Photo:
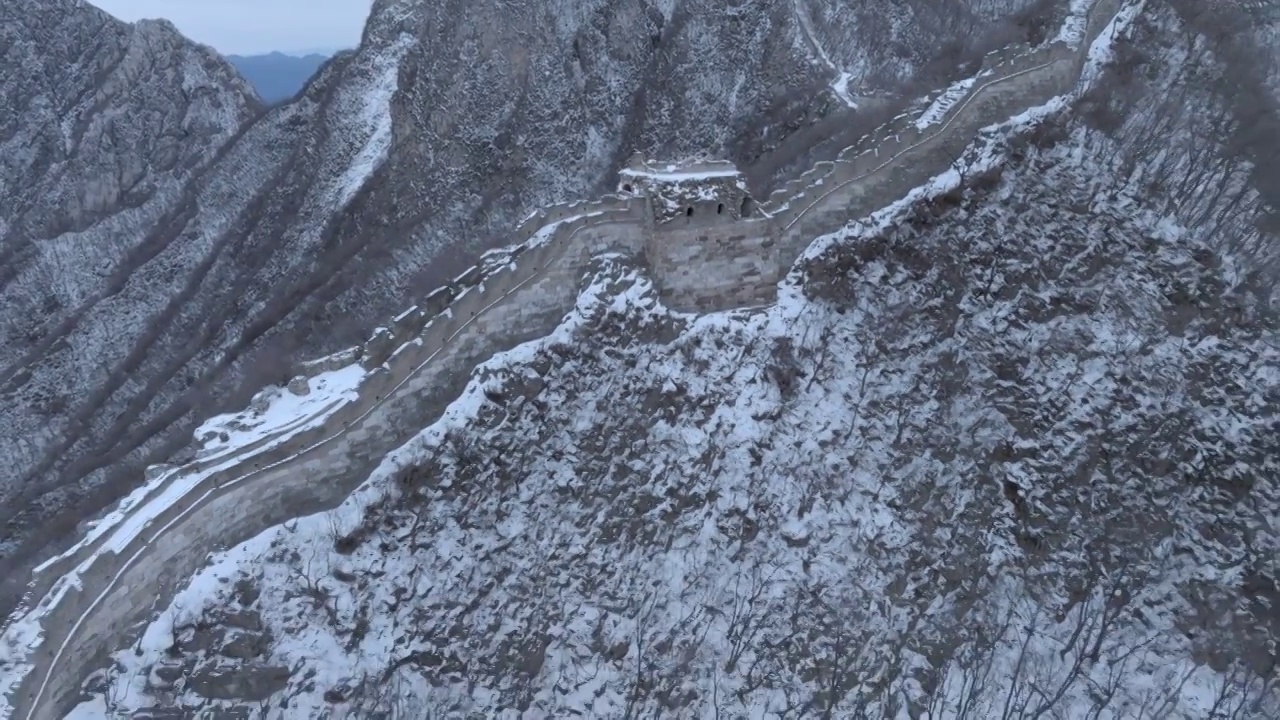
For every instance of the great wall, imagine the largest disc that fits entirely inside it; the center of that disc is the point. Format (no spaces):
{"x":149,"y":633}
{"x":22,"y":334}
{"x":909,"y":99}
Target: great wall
{"x":89,"y":601}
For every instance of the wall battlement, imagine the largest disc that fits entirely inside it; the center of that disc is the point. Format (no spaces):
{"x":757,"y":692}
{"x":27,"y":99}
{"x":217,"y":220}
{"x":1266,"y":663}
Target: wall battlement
{"x":86,"y":602}
{"x":691,"y":191}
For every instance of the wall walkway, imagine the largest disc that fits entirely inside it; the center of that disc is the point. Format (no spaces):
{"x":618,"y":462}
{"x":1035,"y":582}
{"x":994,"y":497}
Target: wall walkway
{"x":89,"y":601}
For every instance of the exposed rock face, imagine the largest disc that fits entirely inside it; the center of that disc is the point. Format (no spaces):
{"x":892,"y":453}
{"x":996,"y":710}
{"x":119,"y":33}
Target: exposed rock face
{"x":104,"y":127}
{"x":217,"y":660}
{"x":101,"y":124}
{"x":167,"y":256}
{"x":250,"y":681}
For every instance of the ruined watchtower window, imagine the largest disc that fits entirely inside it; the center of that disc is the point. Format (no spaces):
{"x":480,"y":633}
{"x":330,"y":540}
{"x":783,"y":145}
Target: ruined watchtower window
{"x":688,"y":188}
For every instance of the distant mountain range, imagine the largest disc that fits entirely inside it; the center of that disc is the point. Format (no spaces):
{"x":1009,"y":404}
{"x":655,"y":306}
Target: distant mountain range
{"x":277,"y":76}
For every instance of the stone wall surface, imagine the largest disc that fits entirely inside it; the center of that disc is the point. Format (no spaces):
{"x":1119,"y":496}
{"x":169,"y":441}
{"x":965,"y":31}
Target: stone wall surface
{"x":90,"y":601}
{"x":711,"y":266}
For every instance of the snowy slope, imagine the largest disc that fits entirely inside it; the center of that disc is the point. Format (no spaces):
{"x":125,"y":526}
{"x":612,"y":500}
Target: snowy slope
{"x":1011,"y":448}
{"x":1049,"y":404}
{"x":205,"y":247}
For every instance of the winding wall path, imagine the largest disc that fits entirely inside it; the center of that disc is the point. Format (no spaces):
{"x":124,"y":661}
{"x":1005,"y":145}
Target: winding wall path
{"x":89,"y":600}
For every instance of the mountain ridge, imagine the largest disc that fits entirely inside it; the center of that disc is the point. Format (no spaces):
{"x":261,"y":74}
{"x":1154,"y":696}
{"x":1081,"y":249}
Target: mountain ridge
{"x":651,"y":510}
{"x":278,"y":76}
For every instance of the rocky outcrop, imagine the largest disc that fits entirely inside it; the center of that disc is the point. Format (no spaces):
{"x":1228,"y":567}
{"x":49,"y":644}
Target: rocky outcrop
{"x":104,"y":128}
{"x":102,"y":123}
{"x":218,"y":657}
{"x":238,"y":681}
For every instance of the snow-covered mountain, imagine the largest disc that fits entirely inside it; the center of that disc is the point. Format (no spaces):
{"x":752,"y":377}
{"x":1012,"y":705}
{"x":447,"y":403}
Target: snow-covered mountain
{"x":104,"y":123}
{"x":1007,"y":448}
{"x":187,"y":250}
{"x":104,"y":128}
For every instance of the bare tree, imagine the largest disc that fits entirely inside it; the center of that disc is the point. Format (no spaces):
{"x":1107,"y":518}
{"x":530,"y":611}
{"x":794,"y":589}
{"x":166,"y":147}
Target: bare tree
{"x":642,"y":683}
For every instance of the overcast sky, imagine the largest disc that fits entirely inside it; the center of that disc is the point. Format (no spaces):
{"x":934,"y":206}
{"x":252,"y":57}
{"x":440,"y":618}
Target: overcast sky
{"x":255,"y":26}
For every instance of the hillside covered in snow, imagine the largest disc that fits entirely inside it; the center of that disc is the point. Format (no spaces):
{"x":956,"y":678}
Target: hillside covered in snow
{"x":169,"y":247}
{"x":1008,"y":448}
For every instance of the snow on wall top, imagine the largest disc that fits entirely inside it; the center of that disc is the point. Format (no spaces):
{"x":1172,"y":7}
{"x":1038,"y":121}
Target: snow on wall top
{"x":673,"y":188}
{"x":680,"y":171}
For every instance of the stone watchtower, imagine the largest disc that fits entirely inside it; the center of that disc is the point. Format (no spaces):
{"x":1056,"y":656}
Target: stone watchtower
{"x":706,"y":243}
{"x":689,"y":190}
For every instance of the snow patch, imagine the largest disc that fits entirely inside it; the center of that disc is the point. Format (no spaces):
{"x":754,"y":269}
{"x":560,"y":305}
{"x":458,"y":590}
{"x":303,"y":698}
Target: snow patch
{"x":1102,"y":51}
{"x":547,"y":233}
{"x":840,"y":86}
{"x":939,"y":108}
{"x":277,"y":410}
{"x":280,"y":416}
{"x":679,"y":172}
{"x":1075,"y":25}
{"x":375,"y":119}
